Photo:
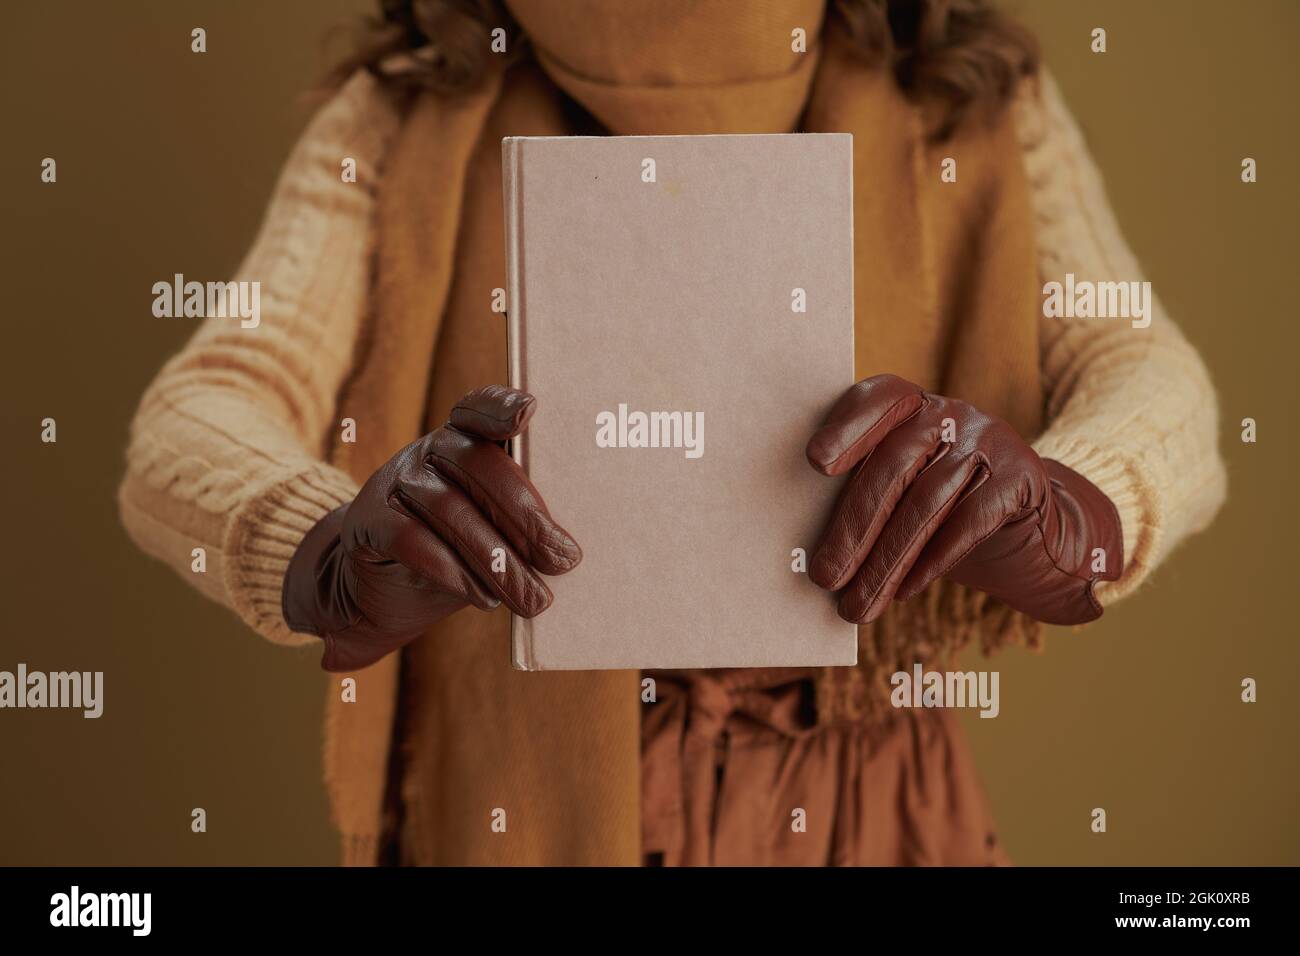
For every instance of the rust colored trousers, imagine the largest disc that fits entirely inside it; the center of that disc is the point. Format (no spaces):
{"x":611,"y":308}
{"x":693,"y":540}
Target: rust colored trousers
{"x":736,"y":772}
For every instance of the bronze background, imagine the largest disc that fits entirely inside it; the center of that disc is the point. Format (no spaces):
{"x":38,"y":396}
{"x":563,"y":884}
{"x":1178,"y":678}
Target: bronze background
{"x":165,"y":163}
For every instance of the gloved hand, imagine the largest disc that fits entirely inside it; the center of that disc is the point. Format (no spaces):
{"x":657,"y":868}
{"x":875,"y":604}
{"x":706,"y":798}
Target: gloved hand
{"x":416,"y":543}
{"x":970,"y":502}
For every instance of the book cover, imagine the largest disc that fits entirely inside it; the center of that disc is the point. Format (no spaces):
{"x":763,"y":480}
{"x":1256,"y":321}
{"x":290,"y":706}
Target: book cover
{"x":682,"y":308}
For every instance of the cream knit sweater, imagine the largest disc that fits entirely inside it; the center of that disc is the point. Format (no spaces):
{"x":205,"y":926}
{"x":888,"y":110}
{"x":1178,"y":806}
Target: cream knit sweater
{"x":226,"y":450}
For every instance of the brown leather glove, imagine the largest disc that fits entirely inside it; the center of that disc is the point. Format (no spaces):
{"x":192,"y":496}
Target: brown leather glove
{"x":971,"y":502}
{"x":416,"y":543}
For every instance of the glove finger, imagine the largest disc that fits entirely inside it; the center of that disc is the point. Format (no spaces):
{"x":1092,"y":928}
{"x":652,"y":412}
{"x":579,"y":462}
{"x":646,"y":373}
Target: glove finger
{"x":399,"y":602}
{"x":494,"y":412}
{"x":982,"y":511}
{"x":433,"y":563}
{"x":496,"y":483}
{"x":454,"y":518}
{"x":919,"y":514}
{"x":869,"y":498}
{"x":860,"y":420}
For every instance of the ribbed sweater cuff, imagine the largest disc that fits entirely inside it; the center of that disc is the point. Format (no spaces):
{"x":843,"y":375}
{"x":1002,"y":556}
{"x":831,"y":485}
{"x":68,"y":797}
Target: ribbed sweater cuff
{"x":1119,"y":481}
{"x":263,"y":535}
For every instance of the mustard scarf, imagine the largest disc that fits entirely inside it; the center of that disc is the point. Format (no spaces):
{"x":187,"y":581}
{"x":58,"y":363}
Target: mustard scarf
{"x":946,"y":289}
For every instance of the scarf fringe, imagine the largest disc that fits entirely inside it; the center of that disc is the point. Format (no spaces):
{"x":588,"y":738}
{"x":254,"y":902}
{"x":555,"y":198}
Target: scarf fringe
{"x":359,"y":849}
{"x":931,"y":630}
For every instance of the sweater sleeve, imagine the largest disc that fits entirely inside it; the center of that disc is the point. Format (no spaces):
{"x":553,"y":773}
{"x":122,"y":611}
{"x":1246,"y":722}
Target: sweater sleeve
{"x":226,"y":448}
{"x":1132,"y":409}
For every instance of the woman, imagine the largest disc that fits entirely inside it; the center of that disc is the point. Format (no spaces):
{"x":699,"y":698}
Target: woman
{"x":1007,"y":468}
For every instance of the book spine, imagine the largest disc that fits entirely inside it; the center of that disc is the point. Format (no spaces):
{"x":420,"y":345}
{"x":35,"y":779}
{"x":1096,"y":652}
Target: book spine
{"x":521,"y":632}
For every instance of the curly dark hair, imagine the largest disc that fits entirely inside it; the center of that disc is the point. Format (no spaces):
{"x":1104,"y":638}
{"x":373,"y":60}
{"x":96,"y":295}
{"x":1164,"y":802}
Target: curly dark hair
{"x":962,"y":55}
